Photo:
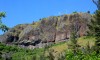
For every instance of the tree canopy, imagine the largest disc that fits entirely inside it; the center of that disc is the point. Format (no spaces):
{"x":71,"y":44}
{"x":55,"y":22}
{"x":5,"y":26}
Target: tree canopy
{"x":3,"y":27}
{"x":95,"y":25}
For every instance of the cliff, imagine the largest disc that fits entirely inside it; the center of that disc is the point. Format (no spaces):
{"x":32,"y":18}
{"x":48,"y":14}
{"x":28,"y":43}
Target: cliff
{"x":53,"y":29}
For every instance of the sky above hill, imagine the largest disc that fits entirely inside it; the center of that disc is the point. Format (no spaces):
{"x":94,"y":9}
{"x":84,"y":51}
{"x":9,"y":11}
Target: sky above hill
{"x":27,"y":11}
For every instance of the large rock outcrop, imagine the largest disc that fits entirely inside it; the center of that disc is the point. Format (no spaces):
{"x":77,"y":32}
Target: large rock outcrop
{"x":46,"y":30}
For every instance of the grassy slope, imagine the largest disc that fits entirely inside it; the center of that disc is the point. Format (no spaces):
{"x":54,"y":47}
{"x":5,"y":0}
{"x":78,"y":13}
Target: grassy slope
{"x":82,"y":41}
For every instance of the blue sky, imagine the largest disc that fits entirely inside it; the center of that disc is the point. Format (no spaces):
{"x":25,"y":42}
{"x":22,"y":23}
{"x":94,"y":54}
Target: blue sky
{"x":26,"y":11}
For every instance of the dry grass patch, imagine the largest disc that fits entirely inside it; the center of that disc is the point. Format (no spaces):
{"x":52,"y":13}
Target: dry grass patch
{"x":83,"y":41}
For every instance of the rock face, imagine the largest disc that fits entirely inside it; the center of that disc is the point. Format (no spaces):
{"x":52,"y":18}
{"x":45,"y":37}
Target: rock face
{"x":47,"y":30}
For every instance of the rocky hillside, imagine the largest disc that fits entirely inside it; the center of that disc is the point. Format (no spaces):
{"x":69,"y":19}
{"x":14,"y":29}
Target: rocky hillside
{"x":53,"y":29}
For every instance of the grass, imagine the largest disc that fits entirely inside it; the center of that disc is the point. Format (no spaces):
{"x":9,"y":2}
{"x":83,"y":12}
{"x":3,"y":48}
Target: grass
{"x":83,"y":41}
{"x":36,"y":24}
{"x":60,"y":47}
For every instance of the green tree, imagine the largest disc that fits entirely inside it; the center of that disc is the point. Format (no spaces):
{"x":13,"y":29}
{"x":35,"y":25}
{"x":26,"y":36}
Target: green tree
{"x":73,"y":38}
{"x":96,"y":29}
{"x":2,"y":26}
{"x":95,"y":25}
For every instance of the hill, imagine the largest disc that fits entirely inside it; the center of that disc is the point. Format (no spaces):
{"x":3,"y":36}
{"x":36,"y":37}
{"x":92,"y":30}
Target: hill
{"x":47,"y":31}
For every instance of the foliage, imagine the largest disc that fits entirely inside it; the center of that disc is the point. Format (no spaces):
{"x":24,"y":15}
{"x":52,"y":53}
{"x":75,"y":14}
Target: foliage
{"x":74,"y":46}
{"x":95,"y":25}
{"x":75,"y":12}
{"x":82,"y":56}
{"x":40,"y":53}
{"x":2,"y":26}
